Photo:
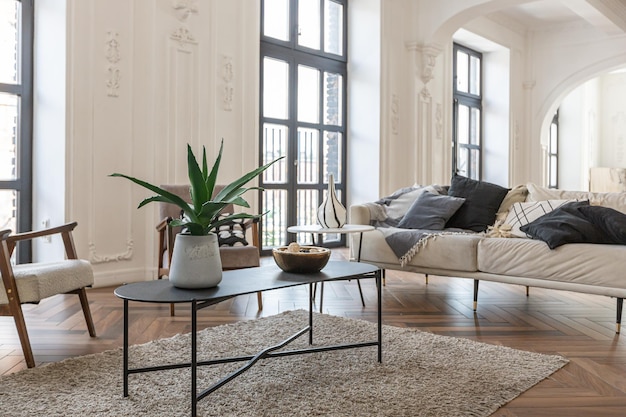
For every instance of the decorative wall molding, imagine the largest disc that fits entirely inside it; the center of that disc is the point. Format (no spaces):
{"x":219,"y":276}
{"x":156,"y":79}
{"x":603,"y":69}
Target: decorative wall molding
{"x":395,"y":117}
{"x":184,"y":8}
{"x":227,"y":78}
{"x":183,"y":37}
{"x":439,"y":120}
{"x":94,"y":258}
{"x":113,"y":57}
{"x":425,"y":59}
{"x":423,"y":169}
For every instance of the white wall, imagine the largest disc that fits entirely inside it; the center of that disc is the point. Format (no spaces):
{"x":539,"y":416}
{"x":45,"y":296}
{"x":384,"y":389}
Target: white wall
{"x":143,"y":80}
{"x":364,"y":68}
{"x":49,"y":129}
{"x":592,"y":123}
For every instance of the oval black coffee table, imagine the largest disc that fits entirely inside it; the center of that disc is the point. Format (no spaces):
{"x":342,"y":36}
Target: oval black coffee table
{"x":239,"y":282}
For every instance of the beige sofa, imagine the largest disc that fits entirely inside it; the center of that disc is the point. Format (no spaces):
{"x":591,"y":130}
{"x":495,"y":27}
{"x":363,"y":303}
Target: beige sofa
{"x":586,"y":268}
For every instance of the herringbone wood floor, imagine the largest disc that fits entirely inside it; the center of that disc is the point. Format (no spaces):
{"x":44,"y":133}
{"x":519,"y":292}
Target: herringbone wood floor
{"x":578,"y":326}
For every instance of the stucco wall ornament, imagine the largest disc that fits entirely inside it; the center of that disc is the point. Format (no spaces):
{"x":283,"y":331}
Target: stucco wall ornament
{"x":184,"y":8}
{"x":94,"y":258}
{"x":228,"y":75}
{"x":113,"y":57}
{"x":425,"y":59}
{"x":395,"y":117}
{"x":439,"y":120}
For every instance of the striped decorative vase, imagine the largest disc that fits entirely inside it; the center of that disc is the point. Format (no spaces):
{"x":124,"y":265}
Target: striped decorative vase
{"x":331,"y":213}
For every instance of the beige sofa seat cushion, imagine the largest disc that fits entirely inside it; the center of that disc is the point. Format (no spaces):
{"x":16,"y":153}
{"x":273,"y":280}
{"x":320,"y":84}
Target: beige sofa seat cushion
{"x":601,"y":265}
{"x":40,"y":280}
{"x":454,"y":252}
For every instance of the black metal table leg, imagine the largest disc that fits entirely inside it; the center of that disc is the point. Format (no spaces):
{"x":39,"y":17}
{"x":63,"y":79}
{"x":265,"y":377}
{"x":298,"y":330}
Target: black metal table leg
{"x":380,"y":315}
{"x":194,"y":358}
{"x":312,"y":296}
{"x":125,"y":348}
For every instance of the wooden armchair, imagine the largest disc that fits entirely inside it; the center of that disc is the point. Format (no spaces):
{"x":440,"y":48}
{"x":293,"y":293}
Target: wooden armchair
{"x":31,"y":283}
{"x":232,"y":257}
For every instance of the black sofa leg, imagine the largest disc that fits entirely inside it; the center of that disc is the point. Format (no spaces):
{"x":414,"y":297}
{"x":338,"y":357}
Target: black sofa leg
{"x":618,"y":322}
{"x":476,"y":294}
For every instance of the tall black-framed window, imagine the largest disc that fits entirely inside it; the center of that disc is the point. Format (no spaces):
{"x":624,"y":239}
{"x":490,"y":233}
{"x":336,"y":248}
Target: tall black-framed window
{"x":553,"y":153}
{"x":16,"y":117}
{"x":303,"y":113}
{"x":467,"y":111}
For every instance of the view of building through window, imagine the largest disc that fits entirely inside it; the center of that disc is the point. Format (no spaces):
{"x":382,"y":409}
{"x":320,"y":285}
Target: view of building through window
{"x":9,"y":107}
{"x":303,"y":79}
{"x":466,"y":153}
{"x":553,"y":149}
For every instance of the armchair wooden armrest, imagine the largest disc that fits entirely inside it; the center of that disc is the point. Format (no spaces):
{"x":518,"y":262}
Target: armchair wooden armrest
{"x":64,"y":230}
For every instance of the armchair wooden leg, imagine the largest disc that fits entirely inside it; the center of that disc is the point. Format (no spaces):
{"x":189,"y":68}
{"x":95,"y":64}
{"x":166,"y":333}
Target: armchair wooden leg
{"x":84,"y":303}
{"x":20,"y":324}
{"x":259,"y":299}
{"x":172,"y":310}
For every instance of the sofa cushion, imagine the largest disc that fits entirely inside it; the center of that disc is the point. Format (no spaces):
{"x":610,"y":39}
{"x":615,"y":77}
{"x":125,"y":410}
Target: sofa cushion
{"x":565,"y":225}
{"x":583,"y":263}
{"x":611,"y":222}
{"x":616,"y":201}
{"x":521,"y":214}
{"x":456,"y":252}
{"x":517,"y":194}
{"x":430,"y":211}
{"x":482,"y":201}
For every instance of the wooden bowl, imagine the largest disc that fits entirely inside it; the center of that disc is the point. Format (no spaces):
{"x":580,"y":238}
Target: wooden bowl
{"x":301,"y":259}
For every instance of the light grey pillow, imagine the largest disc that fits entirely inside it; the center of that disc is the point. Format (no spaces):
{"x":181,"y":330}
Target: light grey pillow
{"x":431,"y":211}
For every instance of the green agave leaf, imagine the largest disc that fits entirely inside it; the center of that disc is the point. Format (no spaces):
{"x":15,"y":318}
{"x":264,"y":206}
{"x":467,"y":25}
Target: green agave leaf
{"x":196,"y":180}
{"x":166,"y":195}
{"x":235,"y":216}
{"x":234,"y":186}
{"x":194,"y":229}
{"x":212,"y":177}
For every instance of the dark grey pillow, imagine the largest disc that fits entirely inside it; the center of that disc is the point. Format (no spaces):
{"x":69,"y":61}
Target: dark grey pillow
{"x":482,"y":201}
{"x":430,"y":211}
{"x":564,"y":225}
{"x":611,"y":222}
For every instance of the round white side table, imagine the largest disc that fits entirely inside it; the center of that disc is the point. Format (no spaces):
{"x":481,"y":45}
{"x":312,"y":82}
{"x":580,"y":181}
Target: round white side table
{"x":316,"y":229}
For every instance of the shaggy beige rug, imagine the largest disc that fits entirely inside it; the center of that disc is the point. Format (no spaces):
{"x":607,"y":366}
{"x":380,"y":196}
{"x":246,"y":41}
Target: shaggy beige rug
{"x":421,"y":375}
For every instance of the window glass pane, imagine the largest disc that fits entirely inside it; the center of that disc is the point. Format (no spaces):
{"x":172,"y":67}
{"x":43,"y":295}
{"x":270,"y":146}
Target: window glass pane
{"x":474,"y":75}
{"x":8,"y":136}
{"x":275,"y":221}
{"x":333,"y":98}
{"x":276,"y":19}
{"x":474,"y":164}
{"x":475,"y":126}
{"x":275,"y":146}
{"x":462,"y":71}
{"x":308,"y":156}
{"x":553,"y":172}
{"x":10,"y":12}
{"x":553,"y":138}
{"x":332,"y":156}
{"x":8,"y":209}
{"x":308,"y":94}
{"x":333,"y":27}
{"x":275,"y":88}
{"x":309,"y":23}
{"x":461,"y":161}
{"x":463,"y":124}
{"x":307,"y":204}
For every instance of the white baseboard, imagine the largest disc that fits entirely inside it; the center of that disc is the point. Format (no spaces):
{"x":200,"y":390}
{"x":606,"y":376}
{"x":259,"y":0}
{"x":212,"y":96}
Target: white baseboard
{"x":119,"y":277}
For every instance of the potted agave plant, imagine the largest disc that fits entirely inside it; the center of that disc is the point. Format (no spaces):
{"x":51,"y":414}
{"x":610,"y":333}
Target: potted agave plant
{"x":195,"y":260}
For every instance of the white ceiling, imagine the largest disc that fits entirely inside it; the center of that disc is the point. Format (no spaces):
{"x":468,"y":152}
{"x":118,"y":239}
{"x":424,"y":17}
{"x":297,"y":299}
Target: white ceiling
{"x":606,"y":15}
